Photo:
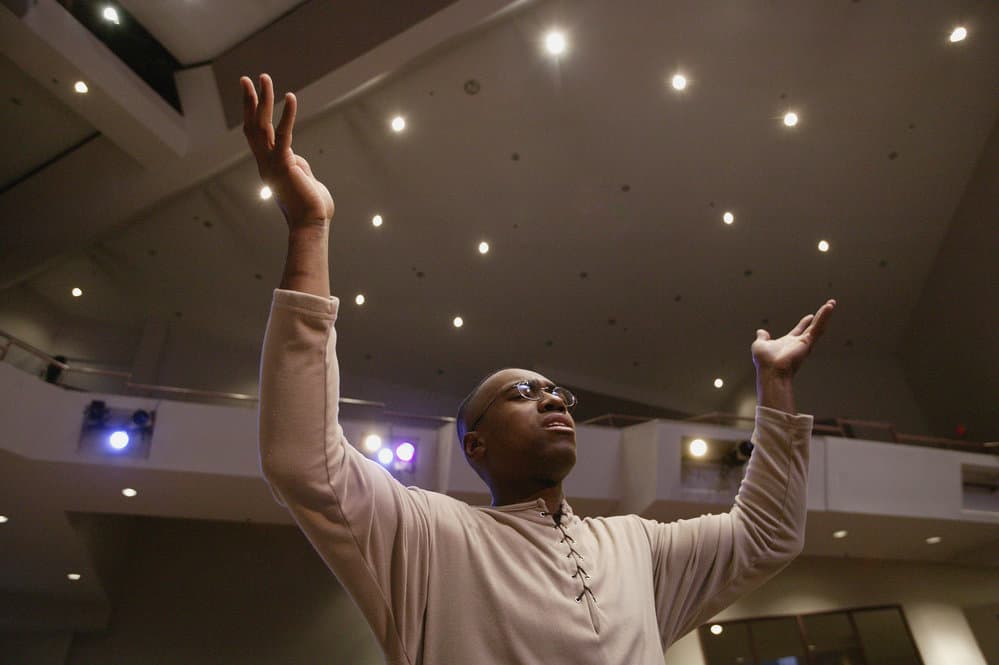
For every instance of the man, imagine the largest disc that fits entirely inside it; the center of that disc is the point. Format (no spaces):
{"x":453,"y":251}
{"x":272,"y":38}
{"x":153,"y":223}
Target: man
{"x":524,"y":580}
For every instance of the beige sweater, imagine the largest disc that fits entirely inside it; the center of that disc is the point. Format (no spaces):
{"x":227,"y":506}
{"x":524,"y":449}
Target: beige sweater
{"x":444,"y":583}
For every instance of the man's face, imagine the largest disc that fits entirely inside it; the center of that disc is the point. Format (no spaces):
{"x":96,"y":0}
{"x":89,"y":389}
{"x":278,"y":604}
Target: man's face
{"x":518,"y":438}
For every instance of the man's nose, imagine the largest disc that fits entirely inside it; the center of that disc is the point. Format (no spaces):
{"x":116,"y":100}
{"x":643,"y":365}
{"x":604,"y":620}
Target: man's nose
{"x":550,"y":402}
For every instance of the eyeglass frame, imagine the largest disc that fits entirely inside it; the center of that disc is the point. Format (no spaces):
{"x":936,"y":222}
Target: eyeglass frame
{"x":551,"y":390}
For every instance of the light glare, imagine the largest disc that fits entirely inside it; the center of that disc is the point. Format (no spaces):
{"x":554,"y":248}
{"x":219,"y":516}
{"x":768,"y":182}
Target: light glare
{"x":81,"y":87}
{"x":110,"y":14}
{"x":958,"y":34}
{"x":716,"y":629}
{"x":385,"y":456}
{"x":791,"y":119}
{"x":73,"y":576}
{"x":823,"y":246}
{"x":839,"y":534}
{"x":119,"y":440}
{"x":458,"y":322}
{"x":359,"y":299}
{"x":555,"y":42}
{"x":266,"y":193}
{"x":719,"y":383}
{"x":3,"y":518}
{"x":372,"y":442}
{"x":129,"y":492}
{"x":405,"y":451}
{"x":679,"y":82}
{"x":376,"y":220}
{"x":77,"y":292}
{"x":398,"y":124}
{"x":698,"y":448}
{"x":933,"y":540}
{"x":728,"y":218}
{"x":483,"y":247}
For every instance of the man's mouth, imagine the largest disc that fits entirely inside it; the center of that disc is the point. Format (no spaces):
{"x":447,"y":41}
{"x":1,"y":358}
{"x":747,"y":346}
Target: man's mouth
{"x":558,"y":422}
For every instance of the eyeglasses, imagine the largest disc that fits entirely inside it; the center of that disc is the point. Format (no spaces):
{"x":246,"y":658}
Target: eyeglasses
{"x":533,"y":391}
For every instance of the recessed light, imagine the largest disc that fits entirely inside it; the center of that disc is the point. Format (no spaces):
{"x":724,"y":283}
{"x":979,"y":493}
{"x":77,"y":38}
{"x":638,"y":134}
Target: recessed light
{"x":129,"y":492}
{"x":3,"y":518}
{"x":728,"y":218}
{"x":81,"y":87}
{"x":933,"y":540}
{"x":458,"y":322}
{"x":555,"y":42}
{"x":790,"y":118}
{"x":958,"y":34}
{"x":110,"y":14}
{"x":716,"y":629}
{"x":679,"y":81}
{"x":839,"y":534}
{"x":266,"y":193}
{"x":376,"y":220}
{"x":372,"y":443}
{"x":398,"y":124}
{"x":719,"y":383}
{"x":698,"y":447}
{"x":483,"y":247}
{"x":77,"y":292}
{"x":823,"y":246}
{"x":359,"y":299}
{"x":73,"y":576}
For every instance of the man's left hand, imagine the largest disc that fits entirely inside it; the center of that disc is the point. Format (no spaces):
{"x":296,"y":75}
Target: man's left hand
{"x":783,"y":356}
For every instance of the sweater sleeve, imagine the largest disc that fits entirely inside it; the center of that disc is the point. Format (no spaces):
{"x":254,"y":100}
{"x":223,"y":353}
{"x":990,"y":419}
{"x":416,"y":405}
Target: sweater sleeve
{"x":370,"y":530}
{"x":703,"y":565}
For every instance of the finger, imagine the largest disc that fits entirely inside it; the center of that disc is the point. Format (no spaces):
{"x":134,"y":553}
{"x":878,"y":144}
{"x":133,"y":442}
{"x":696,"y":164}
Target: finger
{"x":249,"y":101}
{"x":265,"y":110}
{"x":800,"y":328}
{"x":762,"y":335}
{"x":821,"y":319}
{"x":282,"y":137}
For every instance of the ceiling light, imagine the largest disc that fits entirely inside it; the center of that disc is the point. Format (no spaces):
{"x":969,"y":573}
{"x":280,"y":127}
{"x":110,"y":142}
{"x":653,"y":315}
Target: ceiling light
{"x":372,"y":443}
{"x":458,"y":322}
{"x":119,"y":440}
{"x":483,"y":247}
{"x":359,"y":299}
{"x":698,"y":448}
{"x":80,"y":87}
{"x":76,"y":292}
{"x":839,"y":534}
{"x":958,"y":34}
{"x":555,"y":42}
{"x":3,"y":518}
{"x":790,"y":118}
{"x":933,"y":540}
{"x":728,"y":218}
{"x":73,"y":576}
{"x":716,"y":629}
{"x":719,"y":383}
{"x":110,"y":14}
{"x":266,"y":193}
{"x":385,"y":456}
{"x":823,"y":246}
{"x":129,"y":492}
{"x":679,"y":81}
{"x":398,"y":124}
{"x":376,"y":220}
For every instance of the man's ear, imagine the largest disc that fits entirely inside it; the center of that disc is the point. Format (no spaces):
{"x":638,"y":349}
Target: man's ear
{"x":474,"y":445}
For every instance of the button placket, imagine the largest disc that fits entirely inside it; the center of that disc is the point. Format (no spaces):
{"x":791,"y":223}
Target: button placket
{"x":577,"y":558}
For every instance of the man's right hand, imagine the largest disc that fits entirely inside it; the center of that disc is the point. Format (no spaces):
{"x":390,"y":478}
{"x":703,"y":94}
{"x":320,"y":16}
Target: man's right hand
{"x":304,"y":200}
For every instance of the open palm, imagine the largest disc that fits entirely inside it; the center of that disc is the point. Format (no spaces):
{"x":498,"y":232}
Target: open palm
{"x":785,"y":354}
{"x":304,"y":200}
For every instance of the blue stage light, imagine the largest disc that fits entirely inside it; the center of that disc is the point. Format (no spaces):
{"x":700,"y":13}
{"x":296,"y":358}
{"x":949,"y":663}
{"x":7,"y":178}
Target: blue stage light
{"x":119,"y":440}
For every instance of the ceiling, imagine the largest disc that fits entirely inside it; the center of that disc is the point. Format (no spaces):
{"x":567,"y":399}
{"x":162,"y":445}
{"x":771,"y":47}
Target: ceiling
{"x":598,"y":187}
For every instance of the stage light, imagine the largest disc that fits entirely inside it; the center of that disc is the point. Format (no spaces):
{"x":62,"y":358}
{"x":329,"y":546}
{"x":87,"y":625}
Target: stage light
{"x":81,"y":87}
{"x":716,"y":629}
{"x":791,"y":119}
{"x":372,"y":443}
{"x":266,"y":193}
{"x":839,"y":534}
{"x":385,"y":456}
{"x":3,"y":519}
{"x":719,"y":383}
{"x":728,"y":218}
{"x":359,"y":299}
{"x":698,"y":448}
{"x":823,"y":246}
{"x":458,"y":322}
{"x":958,"y":34}
{"x":119,"y":440}
{"x":129,"y":492}
{"x":110,"y":14}
{"x":933,"y":540}
{"x":77,"y":292}
{"x":679,"y":82}
{"x":398,"y":124}
{"x":73,"y":576}
{"x":405,"y":451}
{"x":483,"y":247}
{"x":376,"y":220}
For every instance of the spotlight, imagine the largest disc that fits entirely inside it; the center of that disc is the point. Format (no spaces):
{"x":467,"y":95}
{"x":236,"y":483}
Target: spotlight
{"x":791,"y":119}
{"x":73,"y":576}
{"x":266,"y":193}
{"x":359,"y":299}
{"x":376,"y":220}
{"x":80,"y":87}
{"x":110,"y":14}
{"x":129,"y":492}
{"x":839,"y":534}
{"x":458,"y":322}
{"x":719,"y":383}
{"x":958,"y":35}
{"x":555,"y":42}
{"x":77,"y":292}
{"x":385,"y":456}
{"x":716,"y":629}
{"x":698,"y":448}
{"x":372,"y":443}
{"x":483,"y":247}
{"x":398,"y":124}
{"x":679,"y":82}
{"x":119,"y":440}
{"x":405,"y":451}
{"x":823,"y":246}
{"x":728,"y":218}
